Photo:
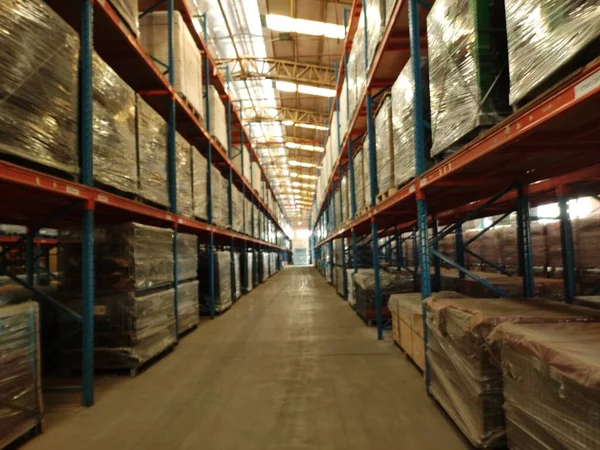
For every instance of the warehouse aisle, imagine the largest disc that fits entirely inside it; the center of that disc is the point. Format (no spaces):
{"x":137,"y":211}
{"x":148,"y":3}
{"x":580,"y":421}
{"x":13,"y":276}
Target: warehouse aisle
{"x":289,"y":367}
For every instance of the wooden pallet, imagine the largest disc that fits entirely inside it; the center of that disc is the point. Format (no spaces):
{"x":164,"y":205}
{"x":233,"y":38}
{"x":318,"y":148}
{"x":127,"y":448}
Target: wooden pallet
{"x":387,"y":194}
{"x":194,"y":110}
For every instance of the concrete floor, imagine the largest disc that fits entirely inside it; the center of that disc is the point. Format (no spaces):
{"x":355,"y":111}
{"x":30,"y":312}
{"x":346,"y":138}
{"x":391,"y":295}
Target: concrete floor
{"x":288,"y":367}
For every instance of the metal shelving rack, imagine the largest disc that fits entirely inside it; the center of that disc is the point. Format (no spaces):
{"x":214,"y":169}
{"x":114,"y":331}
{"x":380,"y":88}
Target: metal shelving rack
{"x":38,"y":200}
{"x":542,"y":153}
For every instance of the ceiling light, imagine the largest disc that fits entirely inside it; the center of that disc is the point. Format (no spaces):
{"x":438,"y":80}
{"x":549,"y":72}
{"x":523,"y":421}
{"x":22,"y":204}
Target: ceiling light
{"x":293,"y":174}
{"x":288,"y":24}
{"x":302,"y":164}
{"x":313,"y":90}
{"x":310,"y":126}
{"x":281,"y":150}
{"x":308,"y":177}
{"x":300,"y":223}
{"x":310,"y":148}
{"x":287,"y":122}
{"x":286,"y":86}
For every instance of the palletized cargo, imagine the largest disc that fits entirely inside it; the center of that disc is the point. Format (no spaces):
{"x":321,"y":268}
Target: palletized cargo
{"x":199,"y":184}
{"x":222,"y":282}
{"x":185,"y":204}
{"x":38,"y":112}
{"x":188,"y":305}
{"x":187,"y":256}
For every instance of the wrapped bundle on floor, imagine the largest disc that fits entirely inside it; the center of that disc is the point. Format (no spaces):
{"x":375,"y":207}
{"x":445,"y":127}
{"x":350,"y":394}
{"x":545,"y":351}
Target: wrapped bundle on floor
{"x":187,"y":256}
{"x":38,"y":112}
{"x":186,"y":55}
{"x":21,"y":408}
{"x":407,"y":325}
{"x":390,"y":283}
{"x":114,"y":130}
{"x":247,"y":267}
{"x":551,"y":385}
{"x":199,"y":184}
{"x":185,"y":205}
{"x":152,"y":154}
{"x":188,"y":306}
{"x":222,"y":281}
{"x":130,"y":329}
{"x":128,"y":10}
{"x":384,"y":143}
{"x":464,"y":378}
{"x":126,"y":256}
{"x":548,"y":39}
{"x":265,"y":267}
{"x":467,"y":69}
{"x":403,"y":122}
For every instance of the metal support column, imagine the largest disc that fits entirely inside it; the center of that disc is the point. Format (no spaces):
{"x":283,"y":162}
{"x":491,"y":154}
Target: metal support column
{"x":437,"y":275}
{"x":460,"y":248}
{"x":29,"y":257}
{"x":419,"y":139}
{"x":524,"y":243}
{"x":230,"y":191}
{"x":209,"y":212}
{"x":566,"y":239}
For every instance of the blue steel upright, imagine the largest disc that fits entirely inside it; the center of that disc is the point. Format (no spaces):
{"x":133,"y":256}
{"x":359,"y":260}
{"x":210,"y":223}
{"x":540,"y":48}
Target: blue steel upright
{"x":211,"y":242}
{"x":172,"y":160}
{"x":87,"y":178}
{"x":460,"y":248}
{"x":524,"y":243}
{"x":230,"y":191}
{"x":419,"y":141}
{"x":566,"y":238}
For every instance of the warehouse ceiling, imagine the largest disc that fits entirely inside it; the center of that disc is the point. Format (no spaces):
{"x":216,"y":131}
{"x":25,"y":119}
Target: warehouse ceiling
{"x":283,"y":75}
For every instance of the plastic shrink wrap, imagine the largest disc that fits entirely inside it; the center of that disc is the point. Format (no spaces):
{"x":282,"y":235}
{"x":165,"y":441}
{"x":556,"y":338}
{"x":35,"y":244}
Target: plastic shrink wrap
{"x":129,"y":329}
{"x":152,"y":154}
{"x":238,"y":275}
{"x":128,"y":10}
{"x":368,"y":177}
{"x":114,"y":129}
{"x":20,"y":383}
{"x":126,"y":256}
{"x":403,"y":128}
{"x":187,"y":256}
{"x":338,"y":252}
{"x":222,"y":281}
{"x":346,"y":212}
{"x":199,"y":184}
{"x":551,"y":385}
{"x":465,"y":379}
{"x":225,"y":201}
{"x":217,"y":191}
{"x":384,"y":145}
{"x":38,"y":113}
{"x":547,"y":39}
{"x":343,"y":110}
{"x":186,"y":55}
{"x":390,"y":283}
{"x":188,"y":313}
{"x":218,"y":117}
{"x":389,"y":6}
{"x":238,"y":211}
{"x":185,"y":204}
{"x":247,"y":267}
{"x":375,"y":10}
{"x":339,"y":280}
{"x":359,"y":184}
{"x":407,"y":325}
{"x":467,"y":69}
{"x":265,"y":267}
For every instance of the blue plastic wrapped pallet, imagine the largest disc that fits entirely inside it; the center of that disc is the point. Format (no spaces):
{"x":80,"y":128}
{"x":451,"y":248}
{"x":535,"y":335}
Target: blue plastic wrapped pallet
{"x":21,"y":408}
{"x":114,"y":130}
{"x":403,"y":122}
{"x":548,"y":39}
{"x":38,"y":112}
{"x":468,"y":69}
{"x":152,"y":154}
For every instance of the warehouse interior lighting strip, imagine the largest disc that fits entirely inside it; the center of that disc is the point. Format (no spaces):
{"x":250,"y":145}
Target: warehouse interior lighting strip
{"x":286,"y":24}
{"x":286,"y":86}
{"x":308,"y":147}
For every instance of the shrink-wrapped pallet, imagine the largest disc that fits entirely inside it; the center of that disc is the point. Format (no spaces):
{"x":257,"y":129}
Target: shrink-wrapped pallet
{"x":467,"y":69}
{"x":225,"y":219}
{"x":126,"y":256}
{"x":403,"y":128}
{"x":375,"y":10}
{"x":238,"y":209}
{"x":128,"y":10}
{"x":217,"y":192}
{"x":113,"y":130}
{"x":188,"y":306}
{"x":185,"y":204}
{"x":368,"y":177}
{"x":256,"y":176}
{"x":152,"y":154}
{"x":547,"y":39}
{"x":338,"y":251}
{"x":343,"y":110}
{"x":186,"y":55}
{"x":347,"y":210}
{"x":130,"y":329}
{"x":222,"y":281}
{"x":247,"y":267}
{"x":39,"y":88}
{"x":389,"y":6}
{"x":384,"y":145}
{"x":390,"y":283}
{"x":187,"y":256}
{"x":218,"y":117}
{"x":551,"y":384}
{"x":465,"y":379}
{"x":21,"y":407}
{"x":238,"y":274}
{"x":338,"y":277}
{"x":199,"y":184}
{"x":407,"y":325}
